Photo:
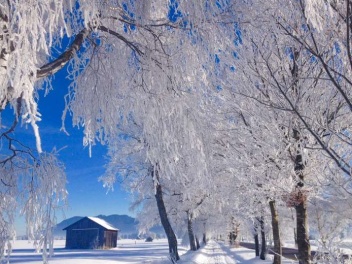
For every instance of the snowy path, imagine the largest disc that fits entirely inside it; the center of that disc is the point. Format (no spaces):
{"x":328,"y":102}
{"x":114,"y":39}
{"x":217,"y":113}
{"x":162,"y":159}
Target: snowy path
{"x":212,"y":253}
{"x":218,"y":253}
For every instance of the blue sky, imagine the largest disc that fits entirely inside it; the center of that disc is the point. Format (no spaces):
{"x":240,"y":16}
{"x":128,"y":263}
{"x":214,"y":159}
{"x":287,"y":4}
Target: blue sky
{"x":87,"y":196}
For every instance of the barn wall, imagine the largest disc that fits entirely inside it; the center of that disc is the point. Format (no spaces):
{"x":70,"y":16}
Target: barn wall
{"x":82,"y":238}
{"x":86,"y":234}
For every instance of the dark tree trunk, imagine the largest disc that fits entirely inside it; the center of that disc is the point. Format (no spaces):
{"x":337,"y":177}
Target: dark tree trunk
{"x":197,"y":242}
{"x":256,"y":243}
{"x":171,"y":237}
{"x":256,"y":238}
{"x":192,"y":242}
{"x":262,"y":232}
{"x":232,"y":238}
{"x":204,"y":238}
{"x":276,"y":233}
{"x":303,"y":244}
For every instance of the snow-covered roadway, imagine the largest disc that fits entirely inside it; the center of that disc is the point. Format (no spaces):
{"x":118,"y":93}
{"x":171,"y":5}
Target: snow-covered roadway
{"x":212,"y":253}
{"x":218,"y":253}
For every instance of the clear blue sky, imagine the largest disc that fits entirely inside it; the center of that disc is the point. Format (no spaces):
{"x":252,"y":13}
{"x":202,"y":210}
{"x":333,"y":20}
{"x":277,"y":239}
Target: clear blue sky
{"x":87,"y":197}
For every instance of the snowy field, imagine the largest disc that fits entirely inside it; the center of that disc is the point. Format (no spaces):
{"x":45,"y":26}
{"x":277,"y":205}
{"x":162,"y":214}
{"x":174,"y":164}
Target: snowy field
{"x":137,"y":251}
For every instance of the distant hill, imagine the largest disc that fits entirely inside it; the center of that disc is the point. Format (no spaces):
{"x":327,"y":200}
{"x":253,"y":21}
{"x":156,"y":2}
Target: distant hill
{"x":67,"y":222}
{"x":126,"y":224}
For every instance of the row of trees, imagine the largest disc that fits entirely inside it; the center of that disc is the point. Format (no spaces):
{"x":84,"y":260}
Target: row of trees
{"x":217,"y":115}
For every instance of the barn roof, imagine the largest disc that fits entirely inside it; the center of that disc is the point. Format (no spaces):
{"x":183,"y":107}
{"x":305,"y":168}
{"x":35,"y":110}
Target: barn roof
{"x":97,"y":220}
{"x":103,"y":223}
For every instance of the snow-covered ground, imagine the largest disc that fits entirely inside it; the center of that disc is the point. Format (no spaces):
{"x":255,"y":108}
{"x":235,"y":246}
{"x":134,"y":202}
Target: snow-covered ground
{"x":137,"y":251}
{"x":127,"y":251}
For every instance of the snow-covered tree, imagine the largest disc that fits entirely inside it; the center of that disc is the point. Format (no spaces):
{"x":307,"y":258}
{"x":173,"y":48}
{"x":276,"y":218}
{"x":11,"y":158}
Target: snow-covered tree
{"x":116,"y":48}
{"x":204,"y":100}
{"x":285,"y":77}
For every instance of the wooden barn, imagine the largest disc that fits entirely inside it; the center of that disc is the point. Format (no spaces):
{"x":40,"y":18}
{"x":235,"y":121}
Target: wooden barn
{"x":91,"y":233}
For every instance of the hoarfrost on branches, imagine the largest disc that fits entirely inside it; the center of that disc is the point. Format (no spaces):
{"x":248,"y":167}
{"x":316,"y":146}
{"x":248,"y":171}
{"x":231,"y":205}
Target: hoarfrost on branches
{"x":202,"y":98}
{"x":36,"y":186}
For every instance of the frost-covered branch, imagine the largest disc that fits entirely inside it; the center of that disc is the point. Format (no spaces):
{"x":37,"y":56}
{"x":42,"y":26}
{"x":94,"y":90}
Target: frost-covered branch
{"x":56,"y":65}
{"x":344,"y":166}
{"x":119,"y":36}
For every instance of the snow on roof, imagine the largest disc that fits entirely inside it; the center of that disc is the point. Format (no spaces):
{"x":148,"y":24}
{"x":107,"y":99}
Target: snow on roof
{"x":103,"y":223}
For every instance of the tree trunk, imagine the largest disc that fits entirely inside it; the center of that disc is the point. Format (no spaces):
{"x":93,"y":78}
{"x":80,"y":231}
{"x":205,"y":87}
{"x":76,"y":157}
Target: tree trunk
{"x":262,"y":232}
{"x":204,"y":235}
{"x":276,"y":233}
{"x":192,"y":242}
{"x":204,"y":238}
{"x":234,"y":232}
{"x":197,"y":242}
{"x":171,"y":237}
{"x":232,"y":238}
{"x":303,"y":244}
{"x":256,"y":238}
{"x":256,"y":243}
